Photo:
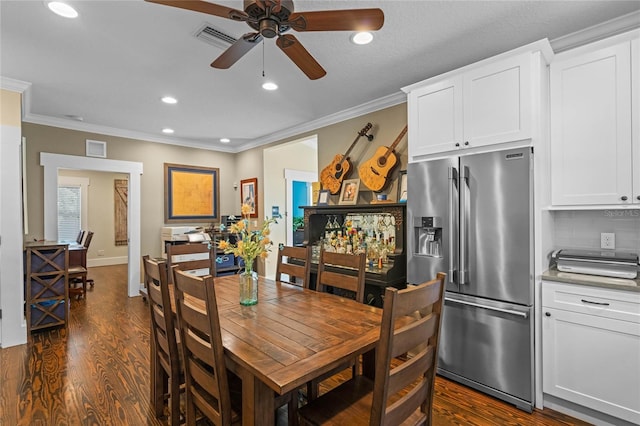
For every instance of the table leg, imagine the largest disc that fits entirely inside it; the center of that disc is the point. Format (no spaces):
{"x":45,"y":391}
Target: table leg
{"x":258,"y":401}
{"x":369,"y":364}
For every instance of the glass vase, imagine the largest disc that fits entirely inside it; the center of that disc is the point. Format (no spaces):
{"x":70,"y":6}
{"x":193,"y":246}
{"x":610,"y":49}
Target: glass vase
{"x":248,"y":288}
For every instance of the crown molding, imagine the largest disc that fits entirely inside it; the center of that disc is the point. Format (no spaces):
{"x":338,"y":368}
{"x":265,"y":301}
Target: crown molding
{"x":597,"y":32}
{"x":13,"y":85}
{"x":357,"y":111}
{"x":113,"y":131}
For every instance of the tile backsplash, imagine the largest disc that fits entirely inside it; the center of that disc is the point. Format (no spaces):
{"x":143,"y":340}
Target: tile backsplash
{"x":581,"y":228}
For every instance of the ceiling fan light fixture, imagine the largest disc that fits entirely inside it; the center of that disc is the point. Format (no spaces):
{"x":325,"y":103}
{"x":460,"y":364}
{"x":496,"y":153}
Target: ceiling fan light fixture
{"x":225,"y":140}
{"x":269,"y":85}
{"x":167,"y":130}
{"x":62,"y":9}
{"x":362,"y":37}
{"x":169,"y":100}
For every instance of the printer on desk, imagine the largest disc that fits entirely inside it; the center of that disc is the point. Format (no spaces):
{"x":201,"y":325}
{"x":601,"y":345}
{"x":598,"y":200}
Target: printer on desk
{"x":184,"y":234}
{"x":603,"y":263}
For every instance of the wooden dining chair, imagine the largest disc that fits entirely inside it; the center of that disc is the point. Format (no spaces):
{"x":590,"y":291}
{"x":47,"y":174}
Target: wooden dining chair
{"x":342,"y":272}
{"x":78,"y":268}
{"x":207,"y":385}
{"x":344,"y":275}
{"x":193,"y":258}
{"x":294,"y":265}
{"x":402,"y":392}
{"x":166,"y":361}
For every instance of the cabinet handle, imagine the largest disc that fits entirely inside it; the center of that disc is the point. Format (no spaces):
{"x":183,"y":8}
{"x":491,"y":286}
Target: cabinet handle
{"x":548,"y":314}
{"x":638,"y":197}
{"x":457,"y":144}
{"x":466,"y":143}
{"x":623,"y":198}
{"x":594,"y":303}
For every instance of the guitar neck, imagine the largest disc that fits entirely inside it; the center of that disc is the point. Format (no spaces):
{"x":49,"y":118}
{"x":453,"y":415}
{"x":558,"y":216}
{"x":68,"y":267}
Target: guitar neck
{"x":396,"y":142}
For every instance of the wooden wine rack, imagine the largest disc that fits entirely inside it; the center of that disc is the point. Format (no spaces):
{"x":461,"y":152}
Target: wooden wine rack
{"x":46,"y":285}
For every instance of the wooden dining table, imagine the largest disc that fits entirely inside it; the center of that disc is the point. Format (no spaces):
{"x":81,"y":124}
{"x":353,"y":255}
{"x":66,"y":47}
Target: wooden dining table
{"x":291,"y":336}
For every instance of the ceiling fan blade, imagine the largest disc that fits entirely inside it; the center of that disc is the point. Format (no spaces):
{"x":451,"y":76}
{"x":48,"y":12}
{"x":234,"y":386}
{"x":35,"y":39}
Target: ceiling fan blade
{"x":337,"y":20}
{"x":237,"y":50}
{"x":291,"y":47}
{"x":205,"y":7}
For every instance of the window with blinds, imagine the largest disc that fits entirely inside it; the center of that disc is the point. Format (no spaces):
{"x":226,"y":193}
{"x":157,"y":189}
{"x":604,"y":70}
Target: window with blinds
{"x":69,"y":212}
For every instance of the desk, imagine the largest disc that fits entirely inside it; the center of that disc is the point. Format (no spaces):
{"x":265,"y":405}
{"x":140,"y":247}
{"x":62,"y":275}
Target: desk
{"x":290,"y":337}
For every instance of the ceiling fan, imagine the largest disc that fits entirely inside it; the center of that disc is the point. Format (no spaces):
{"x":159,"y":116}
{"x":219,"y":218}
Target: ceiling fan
{"x":273,"y":18}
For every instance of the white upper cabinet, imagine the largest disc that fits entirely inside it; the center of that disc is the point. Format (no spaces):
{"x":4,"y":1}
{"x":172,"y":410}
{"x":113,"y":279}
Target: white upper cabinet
{"x":487,"y":103}
{"x":594,"y":152}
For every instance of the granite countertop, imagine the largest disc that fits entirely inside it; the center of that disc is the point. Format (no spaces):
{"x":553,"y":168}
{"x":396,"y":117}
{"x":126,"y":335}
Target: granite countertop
{"x":553,"y":274}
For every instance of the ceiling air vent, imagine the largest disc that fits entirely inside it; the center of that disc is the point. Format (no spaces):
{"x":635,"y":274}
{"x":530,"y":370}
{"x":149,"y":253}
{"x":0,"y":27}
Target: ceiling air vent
{"x":215,"y":37}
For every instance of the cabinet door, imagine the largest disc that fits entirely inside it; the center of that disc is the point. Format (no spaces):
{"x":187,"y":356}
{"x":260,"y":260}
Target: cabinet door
{"x":591,"y":128}
{"x":592,"y":361}
{"x":497,"y":102}
{"x":435,"y":118}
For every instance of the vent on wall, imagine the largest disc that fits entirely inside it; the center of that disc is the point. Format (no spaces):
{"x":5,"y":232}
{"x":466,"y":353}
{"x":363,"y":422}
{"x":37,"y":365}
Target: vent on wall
{"x":213,"y":36}
{"x":96,"y":149}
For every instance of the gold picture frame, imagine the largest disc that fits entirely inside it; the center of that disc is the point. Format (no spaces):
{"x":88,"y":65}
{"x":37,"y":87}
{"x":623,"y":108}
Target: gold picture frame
{"x":349,"y":191}
{"x":191,"y":194}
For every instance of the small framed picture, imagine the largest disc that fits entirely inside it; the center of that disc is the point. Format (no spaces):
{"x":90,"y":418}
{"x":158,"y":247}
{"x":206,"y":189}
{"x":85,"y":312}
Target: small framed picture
{"x":323,"y":197}
{"x":402,"y":187}
{"x":249,"y":195}
{"x":349,"y":193}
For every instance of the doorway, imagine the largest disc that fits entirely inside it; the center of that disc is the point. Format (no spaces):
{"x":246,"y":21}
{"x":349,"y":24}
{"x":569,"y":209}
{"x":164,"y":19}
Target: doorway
{"x":298,"y":194}
{"x":53,"y":162}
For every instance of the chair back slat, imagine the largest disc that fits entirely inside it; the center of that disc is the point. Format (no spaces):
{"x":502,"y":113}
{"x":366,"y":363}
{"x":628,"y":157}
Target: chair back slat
{"x":298,"y":271}
{"x":202,"y":257}
{"x":410,"y":324}
{"x":201,"y":339}
{"x":343,"y":271}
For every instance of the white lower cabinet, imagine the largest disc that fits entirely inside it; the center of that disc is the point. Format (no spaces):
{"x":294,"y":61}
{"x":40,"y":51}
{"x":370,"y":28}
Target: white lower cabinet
{"x":591,"y":347}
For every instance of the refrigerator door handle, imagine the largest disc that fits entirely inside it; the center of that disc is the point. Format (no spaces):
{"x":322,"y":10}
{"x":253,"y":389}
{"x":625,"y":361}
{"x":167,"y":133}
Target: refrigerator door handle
{"x":490,"y":308}
{"x":453,"y":180}
{"x":464,"y":222}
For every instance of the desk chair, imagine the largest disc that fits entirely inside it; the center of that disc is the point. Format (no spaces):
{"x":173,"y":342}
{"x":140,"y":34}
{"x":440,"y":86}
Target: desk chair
{"x":400,"y":394}
{"x":207,"y":386}
{"x":166,"y":359}
{"x":193,"y":258}
{"x":295,"y":272}
{"x":345,"y":273}
{"x":78,"y":268}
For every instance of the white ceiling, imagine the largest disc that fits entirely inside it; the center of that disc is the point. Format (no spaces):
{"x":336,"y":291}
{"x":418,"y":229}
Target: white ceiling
{"x":112,"y":64}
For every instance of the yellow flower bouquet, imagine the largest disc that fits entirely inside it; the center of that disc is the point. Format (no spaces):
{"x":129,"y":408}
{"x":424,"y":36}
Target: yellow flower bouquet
{"x":250,"y":244}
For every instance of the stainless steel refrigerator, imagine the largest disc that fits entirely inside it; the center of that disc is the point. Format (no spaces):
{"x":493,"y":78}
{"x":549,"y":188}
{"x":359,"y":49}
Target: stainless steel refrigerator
{"x":471,"y":216}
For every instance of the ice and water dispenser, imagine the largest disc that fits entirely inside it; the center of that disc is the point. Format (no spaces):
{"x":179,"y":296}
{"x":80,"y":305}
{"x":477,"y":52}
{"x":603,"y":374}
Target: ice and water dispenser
{"x":428,"y":236}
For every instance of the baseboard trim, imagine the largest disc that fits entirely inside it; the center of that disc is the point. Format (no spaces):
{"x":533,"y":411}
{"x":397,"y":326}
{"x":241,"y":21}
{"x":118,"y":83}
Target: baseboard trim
{"x":106,"y":261}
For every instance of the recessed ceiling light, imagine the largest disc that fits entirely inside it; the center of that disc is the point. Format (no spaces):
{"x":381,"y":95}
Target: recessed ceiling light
{"x":269,"y":86}
{"x":225,"y":140}
{"x":363,"y":37}
{"x":169,"y":100}
{"x":62,"y":9}
{"x":167,"y":130}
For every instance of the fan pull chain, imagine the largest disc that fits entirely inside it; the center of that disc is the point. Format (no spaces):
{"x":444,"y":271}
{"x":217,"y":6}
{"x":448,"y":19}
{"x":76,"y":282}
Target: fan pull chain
{"x":263,"y":58}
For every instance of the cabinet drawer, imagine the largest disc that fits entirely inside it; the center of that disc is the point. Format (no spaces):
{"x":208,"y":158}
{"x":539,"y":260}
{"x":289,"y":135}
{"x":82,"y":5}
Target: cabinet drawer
{"x":607,"y":303}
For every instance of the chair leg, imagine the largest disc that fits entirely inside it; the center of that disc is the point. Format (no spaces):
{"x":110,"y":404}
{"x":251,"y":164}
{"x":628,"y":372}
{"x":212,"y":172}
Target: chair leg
{"x":174,"y":401}
{"x":84,"y":286}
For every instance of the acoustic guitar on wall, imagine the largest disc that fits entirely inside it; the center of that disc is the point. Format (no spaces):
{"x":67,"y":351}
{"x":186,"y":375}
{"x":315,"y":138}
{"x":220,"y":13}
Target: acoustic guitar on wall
{"x":374,"y":172}
{"x":332,"y":176}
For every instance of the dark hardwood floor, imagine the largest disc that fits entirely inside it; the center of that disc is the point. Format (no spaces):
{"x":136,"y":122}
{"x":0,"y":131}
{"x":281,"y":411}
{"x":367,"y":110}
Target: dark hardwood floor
{"x":97,"y":371}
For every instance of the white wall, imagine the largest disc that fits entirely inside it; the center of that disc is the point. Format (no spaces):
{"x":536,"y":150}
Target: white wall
{"x":298,"y":155}
{"x":12,"y":326}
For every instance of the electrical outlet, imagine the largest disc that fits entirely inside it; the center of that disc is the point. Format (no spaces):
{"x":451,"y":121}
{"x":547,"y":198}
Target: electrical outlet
{"x":607,"y":240}
{"x":100,"y":252}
